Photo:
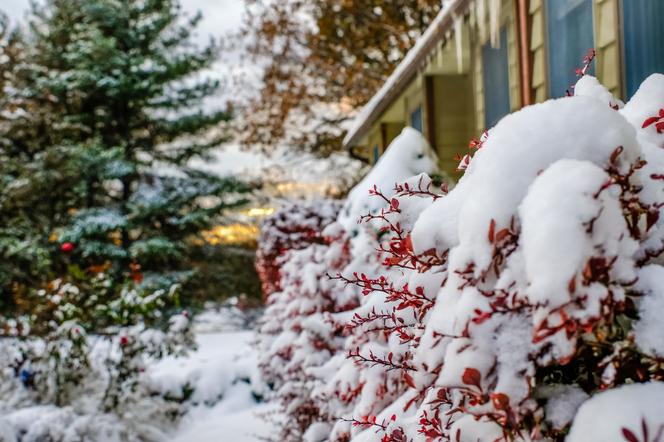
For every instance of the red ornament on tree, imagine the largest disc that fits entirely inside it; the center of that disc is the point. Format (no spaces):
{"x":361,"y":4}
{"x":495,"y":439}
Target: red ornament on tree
{"x":67,"y":247}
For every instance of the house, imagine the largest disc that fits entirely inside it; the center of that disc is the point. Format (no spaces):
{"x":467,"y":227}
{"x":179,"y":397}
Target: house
{"x":482,"y":59}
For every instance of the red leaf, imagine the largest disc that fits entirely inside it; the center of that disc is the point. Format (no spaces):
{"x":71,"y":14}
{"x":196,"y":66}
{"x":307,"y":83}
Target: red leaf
{"x":502,"y":234}
{"x":661,"y":113}
{"x":408,"y":243}
{"x":409,"y":380}
{"x":644,"y":429}
{"x":660,"y":127}
{"x":650,"y":121}
{"x":394,"y":203}
{"x":392,"y":260}
{"x":616,"y":153}
{"x":492,"y":230}
{"x":571,"y":286}
{"x":628,"y":435}
{"x":500,"y":400}
{"x":472,"y":376}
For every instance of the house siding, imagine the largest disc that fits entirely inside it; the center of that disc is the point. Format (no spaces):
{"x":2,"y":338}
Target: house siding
{"x":455,"y":110}
{"x":607,"y":44}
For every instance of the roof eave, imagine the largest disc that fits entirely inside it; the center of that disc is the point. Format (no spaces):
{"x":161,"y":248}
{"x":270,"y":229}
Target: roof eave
{"x":404,"y":72}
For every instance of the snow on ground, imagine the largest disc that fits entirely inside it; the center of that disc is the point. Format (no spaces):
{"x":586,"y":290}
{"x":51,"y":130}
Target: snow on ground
{"x":224,"y":423}
{"x":221,"y":365}
{"x":222,"y":373}
{"x":215,"y":388}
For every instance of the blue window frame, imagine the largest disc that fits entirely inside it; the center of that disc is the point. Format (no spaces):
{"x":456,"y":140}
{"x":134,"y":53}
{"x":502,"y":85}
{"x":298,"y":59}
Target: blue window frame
{"x":570,"y":36}
{"x":643,"y":41}
{"x":496,"y":81}
{"x":376,"y":153}
{"x":416,"y":119}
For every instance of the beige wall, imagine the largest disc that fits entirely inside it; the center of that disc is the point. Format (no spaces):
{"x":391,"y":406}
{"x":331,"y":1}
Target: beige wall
{"x":454,"y":118}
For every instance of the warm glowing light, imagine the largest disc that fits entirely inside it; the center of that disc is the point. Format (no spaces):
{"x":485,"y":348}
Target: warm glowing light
{"x":231,"y":234}
{"x":259,"y":211}
{"x":290,"y":187}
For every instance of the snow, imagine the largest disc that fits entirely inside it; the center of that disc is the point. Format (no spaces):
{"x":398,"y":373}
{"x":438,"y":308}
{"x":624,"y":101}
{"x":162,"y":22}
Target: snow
{"x":458,"y":41}
{"x":554,"y":230}
{"x":589,"y":86}
{"x":221,"y":423}
{"x":494,"y":22}
{"x":480,"y":11}
{"x":563,"y":401}
{"x":222,"y":373}
{"x":606,"y":416}
{"x":472,"y":429}
{"x":220,"y":361}
{"x":649,"y":329}
{"x":409,"y":154}
{"x":215,"y":387}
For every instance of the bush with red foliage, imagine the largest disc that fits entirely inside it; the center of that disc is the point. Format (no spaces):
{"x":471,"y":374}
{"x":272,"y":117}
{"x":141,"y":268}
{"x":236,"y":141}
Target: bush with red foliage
{"x":294,"y":226}
{"x":302,"y":336}
{"x":492,"y":312}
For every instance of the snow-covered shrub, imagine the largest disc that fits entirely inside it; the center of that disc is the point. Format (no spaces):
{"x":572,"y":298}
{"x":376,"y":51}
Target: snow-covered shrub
{"x":546,"y":234}
{"x":77,"y":358}
{"x":303,"y":335}
{"x":496,"y":311}
{"x":296,"y":334}
{"x":294,"y":226}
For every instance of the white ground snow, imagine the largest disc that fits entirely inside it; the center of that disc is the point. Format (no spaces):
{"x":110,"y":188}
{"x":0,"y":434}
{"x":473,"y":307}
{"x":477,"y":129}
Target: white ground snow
{"x":220,"y":370}
{"x":224,"y":405}
{"x":219,"y":424}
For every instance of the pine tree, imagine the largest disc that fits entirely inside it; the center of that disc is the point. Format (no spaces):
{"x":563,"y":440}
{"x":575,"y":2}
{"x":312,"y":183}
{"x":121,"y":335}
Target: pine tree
{"x":125,"y":88}
{"x":33,"y":187}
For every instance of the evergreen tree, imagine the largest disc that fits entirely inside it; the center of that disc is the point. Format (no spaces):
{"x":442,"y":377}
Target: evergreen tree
{"x":32,"y":184}
{"x":105,"y":163}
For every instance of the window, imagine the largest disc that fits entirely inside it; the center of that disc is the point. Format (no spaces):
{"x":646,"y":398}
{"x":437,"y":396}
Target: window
{"x":496,"y":81}
{"x":416,"y":119}
{"x":643,"y":40}
{"x":570,"y":36}
{"x":376,"y":153}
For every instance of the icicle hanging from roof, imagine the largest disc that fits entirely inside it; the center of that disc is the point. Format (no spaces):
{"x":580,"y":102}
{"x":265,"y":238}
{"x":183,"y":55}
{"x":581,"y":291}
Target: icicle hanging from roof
{"x":480,"y":8}
{"x":494,"y":22}
{"x":458,"y":42}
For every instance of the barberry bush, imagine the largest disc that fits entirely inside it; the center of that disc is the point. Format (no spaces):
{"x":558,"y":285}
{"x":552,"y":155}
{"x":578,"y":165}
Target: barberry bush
{"x":294,"y":226}
{"x":520,"y":305}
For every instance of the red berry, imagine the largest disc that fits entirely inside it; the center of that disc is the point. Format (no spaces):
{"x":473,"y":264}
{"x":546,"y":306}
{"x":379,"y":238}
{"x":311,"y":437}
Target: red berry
{"x":67,"y":247}
{"x":124,"y":341}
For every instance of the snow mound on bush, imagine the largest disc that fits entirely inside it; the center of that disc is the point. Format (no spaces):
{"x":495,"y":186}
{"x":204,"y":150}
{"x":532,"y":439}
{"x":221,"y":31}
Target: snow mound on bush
{"x":517,"y":150}
{"x":614,"y":415}
{"x":409,"y":154}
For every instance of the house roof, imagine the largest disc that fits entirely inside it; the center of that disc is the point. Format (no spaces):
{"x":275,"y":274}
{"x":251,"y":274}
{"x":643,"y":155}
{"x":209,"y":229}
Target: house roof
{"x":405,"y":71}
